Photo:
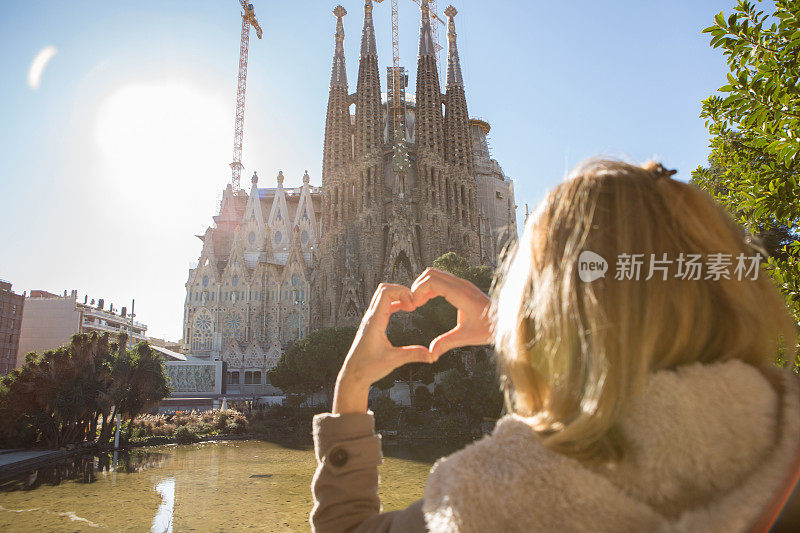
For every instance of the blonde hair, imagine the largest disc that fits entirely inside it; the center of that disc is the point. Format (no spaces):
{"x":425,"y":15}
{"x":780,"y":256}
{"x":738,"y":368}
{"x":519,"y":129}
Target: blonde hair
{"x":575,"y":351}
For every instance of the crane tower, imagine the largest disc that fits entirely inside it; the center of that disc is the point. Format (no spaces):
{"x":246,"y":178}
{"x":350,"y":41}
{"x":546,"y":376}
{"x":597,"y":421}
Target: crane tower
{"x":248,"y":19}
{"x":397,"y":96}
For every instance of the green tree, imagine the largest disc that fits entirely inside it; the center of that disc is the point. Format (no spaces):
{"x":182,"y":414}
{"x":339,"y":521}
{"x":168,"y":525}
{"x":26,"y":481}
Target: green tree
{"x":386,"y":412}
{"x":422,"y":398}
{"x":56,"y":398}
{"x":55,"y":393}
{"x":453,"y":263}
{"x":311,"y":365}
{"x":754,"y":129}
{"x":142,"y":381}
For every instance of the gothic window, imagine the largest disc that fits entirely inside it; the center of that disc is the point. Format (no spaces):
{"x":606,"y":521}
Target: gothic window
{"x":257,"y":377}
{"x":304,"y":237}
{"x":233,"y":327}
{"x":233,"y":378}
{"x":205,"y":281}
{"x":203,"y":332}
{"x":252,"y":237}
{"x":248,"y":378}
{"x":292,"y":325}
{"x":278,"y":237}
{"x":295,"y":279}
{"x":235,"y":280}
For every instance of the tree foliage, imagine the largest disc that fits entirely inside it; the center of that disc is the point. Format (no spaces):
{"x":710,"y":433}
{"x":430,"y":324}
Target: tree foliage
{"x":311,"y":365}
{"x":754,"y":128}
{"x":475,"y":395}
{"x":58,"y":397}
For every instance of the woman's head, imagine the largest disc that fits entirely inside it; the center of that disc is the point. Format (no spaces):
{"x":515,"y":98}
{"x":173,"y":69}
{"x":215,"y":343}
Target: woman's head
{"x":576,"y":348}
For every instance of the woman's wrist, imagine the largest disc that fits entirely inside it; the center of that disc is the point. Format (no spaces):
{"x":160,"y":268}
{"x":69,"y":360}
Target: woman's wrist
{"x":350,"y":395}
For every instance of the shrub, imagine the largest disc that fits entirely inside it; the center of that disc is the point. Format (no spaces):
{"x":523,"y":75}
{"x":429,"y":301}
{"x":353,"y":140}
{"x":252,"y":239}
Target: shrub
{"x":239,"y":423}
{"x":422,"y":398}
{"x":221,"y":419}
{"x":163,"y":430}
{"x":385,"y":411}
{"x":181,"y":419}
{"x":186,"y":435}
{"x":201,"y":428}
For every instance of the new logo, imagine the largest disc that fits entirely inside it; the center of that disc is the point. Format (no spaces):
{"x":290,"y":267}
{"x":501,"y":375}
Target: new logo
{"x":591,"y":266}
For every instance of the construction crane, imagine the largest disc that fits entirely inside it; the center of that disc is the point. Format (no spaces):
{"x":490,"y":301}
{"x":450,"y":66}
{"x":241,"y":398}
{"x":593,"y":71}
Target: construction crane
{"x":397,"y":81}
{"x":248,"y":19}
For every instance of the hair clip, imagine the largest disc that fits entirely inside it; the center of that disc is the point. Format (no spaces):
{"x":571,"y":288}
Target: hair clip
{"x":659,"y":172}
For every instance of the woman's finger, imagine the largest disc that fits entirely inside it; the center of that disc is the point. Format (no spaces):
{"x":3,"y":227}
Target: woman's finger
{"x":385,"y":302}
{"x":412,"y":354}
{"x":455,"y":338}
{"x":434,"y":283}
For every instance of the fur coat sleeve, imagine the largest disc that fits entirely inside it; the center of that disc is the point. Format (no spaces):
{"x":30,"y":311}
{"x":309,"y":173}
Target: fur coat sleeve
{"x":707,"y":448}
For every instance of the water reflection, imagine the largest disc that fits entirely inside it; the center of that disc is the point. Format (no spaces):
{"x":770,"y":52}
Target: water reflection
{"x":162,"y":523}
{"x":193,"y":487}
{"x":84,"y":469}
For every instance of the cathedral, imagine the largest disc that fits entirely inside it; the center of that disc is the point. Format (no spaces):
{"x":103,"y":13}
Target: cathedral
{"x":406,"y":177}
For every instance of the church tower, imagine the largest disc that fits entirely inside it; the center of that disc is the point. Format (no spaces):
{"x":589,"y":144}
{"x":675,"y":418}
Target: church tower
{"x":398,"y":200}
{"x":458,"y":146}
{"x":337,"y":151}
{"x":368,"y":143}
{"x":429,"y":123}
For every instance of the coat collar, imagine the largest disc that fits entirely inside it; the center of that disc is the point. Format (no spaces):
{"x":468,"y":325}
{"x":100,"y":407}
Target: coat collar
{"x":707,"y":446}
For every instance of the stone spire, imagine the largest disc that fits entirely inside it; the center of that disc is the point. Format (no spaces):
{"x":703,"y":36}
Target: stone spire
{"x":458,"y":144}
{"x":426,"y":47}
{"x":429,"y":127}
{"x":337,"y":151}
{"x":453,"y":63}
{"x":369,"y":130}
{"x":368,"y":32}
{"x":339,"y":72}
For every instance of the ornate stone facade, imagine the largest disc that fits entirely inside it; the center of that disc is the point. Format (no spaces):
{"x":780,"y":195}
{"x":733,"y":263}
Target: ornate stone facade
{"x":399,"y":188}
{"x":402,"y":186}
{"x":249,"y":295}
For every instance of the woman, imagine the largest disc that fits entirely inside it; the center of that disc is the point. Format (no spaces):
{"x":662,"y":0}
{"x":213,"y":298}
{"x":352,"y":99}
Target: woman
{"x":638,"y":341}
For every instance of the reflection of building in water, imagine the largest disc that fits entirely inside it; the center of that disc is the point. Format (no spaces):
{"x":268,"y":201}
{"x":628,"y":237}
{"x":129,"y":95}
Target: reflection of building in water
{"x":405,"y":178}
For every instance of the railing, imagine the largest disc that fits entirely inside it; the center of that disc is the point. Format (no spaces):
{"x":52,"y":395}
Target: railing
{"x":106,"y":315}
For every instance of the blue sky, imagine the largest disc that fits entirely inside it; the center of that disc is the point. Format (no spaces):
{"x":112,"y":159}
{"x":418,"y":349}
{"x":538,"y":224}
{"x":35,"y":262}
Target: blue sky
{"x":116,"y":161}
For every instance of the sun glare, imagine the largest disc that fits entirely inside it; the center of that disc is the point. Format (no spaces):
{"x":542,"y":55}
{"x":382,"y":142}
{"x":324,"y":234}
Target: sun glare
{"x":163,"y":136}
{"x":38,"y":65}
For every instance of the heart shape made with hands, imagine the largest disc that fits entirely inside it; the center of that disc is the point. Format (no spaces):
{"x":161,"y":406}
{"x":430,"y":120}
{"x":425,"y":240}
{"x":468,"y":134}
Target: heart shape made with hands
{"x":473,"y":323}
{"x":372,"y":356}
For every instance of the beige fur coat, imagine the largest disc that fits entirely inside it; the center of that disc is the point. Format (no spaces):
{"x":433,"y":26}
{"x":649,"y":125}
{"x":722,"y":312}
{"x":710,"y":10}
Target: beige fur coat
{"x":708,"y":446}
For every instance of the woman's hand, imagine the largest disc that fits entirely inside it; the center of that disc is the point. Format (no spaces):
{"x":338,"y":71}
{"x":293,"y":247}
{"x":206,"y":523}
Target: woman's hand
{"x":473,"y":325}
{"x":372,"y":356}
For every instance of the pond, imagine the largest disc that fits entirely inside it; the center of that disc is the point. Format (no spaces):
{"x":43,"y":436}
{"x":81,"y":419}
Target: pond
{"x":210,"y":486}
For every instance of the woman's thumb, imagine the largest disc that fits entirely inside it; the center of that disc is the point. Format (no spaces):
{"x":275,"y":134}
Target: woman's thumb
{"x":445,"y":342}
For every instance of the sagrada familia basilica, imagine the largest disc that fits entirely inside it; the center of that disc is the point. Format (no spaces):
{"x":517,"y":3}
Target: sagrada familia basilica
{"x":405,"y":179}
